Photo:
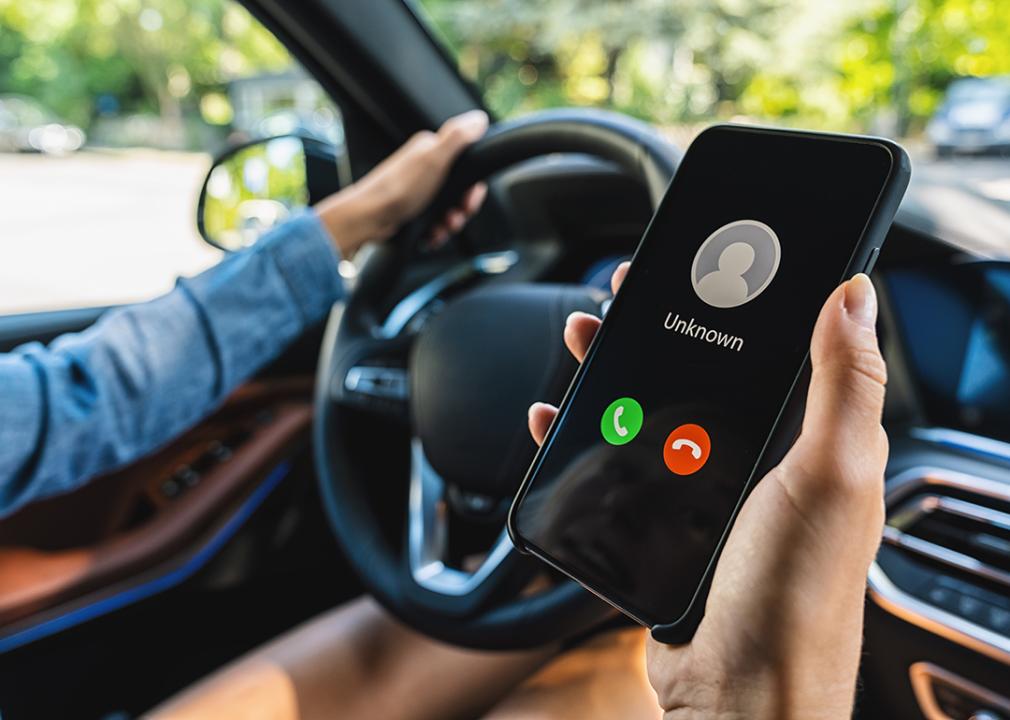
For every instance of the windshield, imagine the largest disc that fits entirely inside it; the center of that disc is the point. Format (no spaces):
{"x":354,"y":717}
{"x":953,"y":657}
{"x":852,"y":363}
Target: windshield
{"x":857,"y":65}
{"x":932,"y":74}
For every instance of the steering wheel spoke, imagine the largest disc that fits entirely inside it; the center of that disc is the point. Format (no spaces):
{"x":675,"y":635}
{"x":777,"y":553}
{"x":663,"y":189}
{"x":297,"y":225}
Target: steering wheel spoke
{"x":428,"y":539}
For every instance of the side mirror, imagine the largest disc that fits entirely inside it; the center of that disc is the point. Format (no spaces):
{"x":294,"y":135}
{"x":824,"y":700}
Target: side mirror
{"x":252,"y":187}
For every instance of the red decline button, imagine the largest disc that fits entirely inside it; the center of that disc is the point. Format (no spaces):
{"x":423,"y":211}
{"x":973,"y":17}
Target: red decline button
{"x":687,"y":449}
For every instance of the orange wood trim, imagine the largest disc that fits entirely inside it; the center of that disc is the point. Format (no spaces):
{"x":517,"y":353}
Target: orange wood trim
{"x":38,"y":572}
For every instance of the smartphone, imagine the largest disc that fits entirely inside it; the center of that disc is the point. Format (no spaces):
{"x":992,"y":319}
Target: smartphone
{"x":694,"y":385}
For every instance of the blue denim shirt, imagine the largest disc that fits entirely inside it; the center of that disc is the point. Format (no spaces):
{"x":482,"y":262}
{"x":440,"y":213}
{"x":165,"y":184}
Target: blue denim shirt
{"x":99,"y":399}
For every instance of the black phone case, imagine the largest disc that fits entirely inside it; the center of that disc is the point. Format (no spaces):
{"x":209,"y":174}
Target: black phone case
{"x":787,"y":426}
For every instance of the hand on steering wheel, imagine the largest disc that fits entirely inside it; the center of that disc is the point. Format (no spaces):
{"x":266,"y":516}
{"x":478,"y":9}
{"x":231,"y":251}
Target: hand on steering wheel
{"x":450,"y":361}
{"x":783,"y":624}
{"x":402,"y":185}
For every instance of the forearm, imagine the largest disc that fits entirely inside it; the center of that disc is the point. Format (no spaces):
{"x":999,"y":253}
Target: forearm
{"x":355,"y":661}
{"x":806,"y":672}
{"x":362,"y":213}
{"x":96,"y":400}
{"x":256,"y":302}
{"x":764,"y":695}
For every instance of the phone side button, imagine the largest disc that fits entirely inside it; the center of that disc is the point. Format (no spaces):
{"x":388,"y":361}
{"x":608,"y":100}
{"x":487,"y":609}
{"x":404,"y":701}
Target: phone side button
{"x":872,"y":260}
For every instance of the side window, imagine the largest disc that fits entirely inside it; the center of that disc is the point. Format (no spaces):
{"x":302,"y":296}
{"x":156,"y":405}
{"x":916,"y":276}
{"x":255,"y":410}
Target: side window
{"x":110,"y":112}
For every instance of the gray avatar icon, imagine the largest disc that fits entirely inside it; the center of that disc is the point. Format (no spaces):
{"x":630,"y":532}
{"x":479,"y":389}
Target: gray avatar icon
{"x":735,"y":263}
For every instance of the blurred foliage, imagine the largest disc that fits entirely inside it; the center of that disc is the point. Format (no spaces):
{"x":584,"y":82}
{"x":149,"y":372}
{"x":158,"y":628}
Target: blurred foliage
{"x":85,"y":58}
{"x":861,"y":64}
{"x":664,"y":60}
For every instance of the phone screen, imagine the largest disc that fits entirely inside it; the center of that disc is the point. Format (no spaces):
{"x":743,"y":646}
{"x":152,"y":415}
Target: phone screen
{"x":658,"y":440}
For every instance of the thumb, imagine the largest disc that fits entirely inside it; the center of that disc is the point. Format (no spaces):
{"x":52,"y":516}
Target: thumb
{"x":842,"y":447}
{"x":460,"y":131}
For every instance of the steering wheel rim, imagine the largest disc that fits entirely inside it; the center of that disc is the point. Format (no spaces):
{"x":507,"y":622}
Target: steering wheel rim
{"x":457,"y":608}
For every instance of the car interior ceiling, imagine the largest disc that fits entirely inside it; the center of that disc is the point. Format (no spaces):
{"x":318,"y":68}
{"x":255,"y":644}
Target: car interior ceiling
{"x":243,"y":481}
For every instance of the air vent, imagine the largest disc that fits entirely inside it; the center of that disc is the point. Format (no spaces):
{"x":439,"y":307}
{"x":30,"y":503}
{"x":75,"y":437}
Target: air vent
{"x":970,"y":535}
{"x":944,"y":564}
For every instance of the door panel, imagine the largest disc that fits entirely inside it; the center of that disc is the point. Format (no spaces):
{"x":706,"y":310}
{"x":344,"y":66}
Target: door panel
{"x":124,"y":529}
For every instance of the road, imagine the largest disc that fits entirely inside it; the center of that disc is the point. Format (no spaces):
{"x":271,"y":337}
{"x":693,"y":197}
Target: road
{"x":97,"y":227}
{"x":102,"y":227}
{"x":965,"y":200}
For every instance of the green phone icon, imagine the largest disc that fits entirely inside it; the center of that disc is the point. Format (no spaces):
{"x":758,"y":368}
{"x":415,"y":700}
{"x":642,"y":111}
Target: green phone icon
{"x":621,"y":421}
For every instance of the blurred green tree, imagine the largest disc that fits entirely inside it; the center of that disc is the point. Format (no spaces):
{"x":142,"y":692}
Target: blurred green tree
{"x":877,"y":64}
{"x":885,"y":67}
{"x":920,"y":46}
{"x":665,"y":60}
{"x":863,"y":64}
{"x":153,"y":56}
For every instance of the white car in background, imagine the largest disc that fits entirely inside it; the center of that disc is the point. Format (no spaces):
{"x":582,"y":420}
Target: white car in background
{"x":974,"y":117}
{"x":26,"y":126}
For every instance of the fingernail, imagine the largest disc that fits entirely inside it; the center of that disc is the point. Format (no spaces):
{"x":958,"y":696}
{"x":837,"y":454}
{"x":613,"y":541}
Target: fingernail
{"x":476,"y":116}
{"x":861,"y":300}
{"x":474,"y":120}
{"x":533,"y":408}
{"x":568,"y":320}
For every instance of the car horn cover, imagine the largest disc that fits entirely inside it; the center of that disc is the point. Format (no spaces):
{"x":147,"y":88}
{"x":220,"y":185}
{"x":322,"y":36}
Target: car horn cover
{"x":477,"y":368}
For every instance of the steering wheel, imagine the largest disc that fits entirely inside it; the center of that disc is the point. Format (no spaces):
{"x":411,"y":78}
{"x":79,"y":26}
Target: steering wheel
{"x":462,"y":370}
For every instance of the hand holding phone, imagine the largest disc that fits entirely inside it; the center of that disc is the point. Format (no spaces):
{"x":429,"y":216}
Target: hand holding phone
{"x":786,"y":603}
{"x":693,"y":386}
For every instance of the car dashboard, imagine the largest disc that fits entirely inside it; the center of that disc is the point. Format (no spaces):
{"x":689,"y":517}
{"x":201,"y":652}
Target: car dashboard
{"x":938,"y":616}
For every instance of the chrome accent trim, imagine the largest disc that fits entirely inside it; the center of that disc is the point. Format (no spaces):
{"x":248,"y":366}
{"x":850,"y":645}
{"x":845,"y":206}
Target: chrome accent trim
{"x":972,"y":511}
{"x":932,"y":619}
{"x":905,"y":516}
{"x":921,"y":614}
{"x":427,"y":534}
{"x":963,"y":440}
{"x":382,"y":382}
{"x":910,"y":480}
{"x":923,"y":675}
{"x":941,"y":554}
{"x":414,"y":302}
{"x":496,"y":263}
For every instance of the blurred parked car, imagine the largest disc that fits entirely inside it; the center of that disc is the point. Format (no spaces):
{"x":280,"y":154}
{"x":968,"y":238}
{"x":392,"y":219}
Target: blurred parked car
{"x":322,"y":124}
{"x":974,"y":117}
{"x":26,"y":126}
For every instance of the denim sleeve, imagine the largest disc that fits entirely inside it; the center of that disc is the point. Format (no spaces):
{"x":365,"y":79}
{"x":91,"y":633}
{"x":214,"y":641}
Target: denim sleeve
{"x":93,"y":401}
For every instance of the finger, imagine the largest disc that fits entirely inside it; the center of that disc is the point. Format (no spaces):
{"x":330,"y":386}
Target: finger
{"x":618,"y":277}
{"x":460,"y":131}
{"x":455,"y":220}
{"x":438,"y":237}
{"x":842,"y":442}
{"x":541,"y":415}
{"x":474,"y":198}
{"x":580,"y":329}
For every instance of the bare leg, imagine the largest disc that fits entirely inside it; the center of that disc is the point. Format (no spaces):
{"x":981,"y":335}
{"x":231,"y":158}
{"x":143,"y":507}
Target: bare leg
{"x":603,"y":678}
{"x":356,"y":662}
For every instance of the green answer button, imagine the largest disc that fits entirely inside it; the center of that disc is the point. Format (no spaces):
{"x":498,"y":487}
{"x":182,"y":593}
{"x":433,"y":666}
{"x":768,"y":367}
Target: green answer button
{"x":621,"y":421}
